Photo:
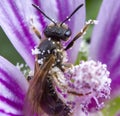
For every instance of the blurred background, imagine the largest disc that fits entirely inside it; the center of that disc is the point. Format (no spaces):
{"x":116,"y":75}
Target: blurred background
{"x":8,"y":51}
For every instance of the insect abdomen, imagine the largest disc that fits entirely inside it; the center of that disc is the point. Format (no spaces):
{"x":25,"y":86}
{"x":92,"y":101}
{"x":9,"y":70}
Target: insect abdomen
{"x":51,"y":103}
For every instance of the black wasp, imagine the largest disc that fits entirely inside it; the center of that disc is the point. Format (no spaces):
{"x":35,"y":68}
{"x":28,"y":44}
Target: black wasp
{"x":41,"y":93}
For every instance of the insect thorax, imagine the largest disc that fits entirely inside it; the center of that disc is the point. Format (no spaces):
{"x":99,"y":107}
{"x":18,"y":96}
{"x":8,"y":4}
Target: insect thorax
{"x":49,"y":46}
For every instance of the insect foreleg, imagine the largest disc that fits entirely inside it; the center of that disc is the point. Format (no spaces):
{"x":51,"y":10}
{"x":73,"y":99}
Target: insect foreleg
{"x":36,"y":32}
{"x":35,"y":29}
{"x":78,"y":35}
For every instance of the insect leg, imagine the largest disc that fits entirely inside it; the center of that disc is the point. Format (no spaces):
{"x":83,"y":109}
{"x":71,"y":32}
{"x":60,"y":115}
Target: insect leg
{"x":78,"y":35}
{"x":36,"y":70}
{"x":35,"y":29}
{"x":36,"y":32}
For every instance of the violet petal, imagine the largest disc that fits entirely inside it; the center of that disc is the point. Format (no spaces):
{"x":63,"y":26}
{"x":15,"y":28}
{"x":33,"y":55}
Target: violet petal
{"x":13,"y":88}
{"x":106,"y":38}
{"x":76,"y":26}
{"x":16,"y":24}
{"x":76,"y":23}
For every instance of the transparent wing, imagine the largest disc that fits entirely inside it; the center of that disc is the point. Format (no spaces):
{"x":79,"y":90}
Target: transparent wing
{"x":37,"y":84}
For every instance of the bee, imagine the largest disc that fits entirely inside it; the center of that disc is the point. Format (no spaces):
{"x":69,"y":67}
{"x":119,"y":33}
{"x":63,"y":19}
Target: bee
{"x":41,"y":94}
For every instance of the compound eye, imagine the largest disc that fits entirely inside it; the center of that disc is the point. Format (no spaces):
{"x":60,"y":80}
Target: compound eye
{"x":68,"y":33}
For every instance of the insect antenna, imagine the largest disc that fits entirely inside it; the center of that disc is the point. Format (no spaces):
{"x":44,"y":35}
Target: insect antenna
{"x":38,"y":8}
{"x":72,"y":14}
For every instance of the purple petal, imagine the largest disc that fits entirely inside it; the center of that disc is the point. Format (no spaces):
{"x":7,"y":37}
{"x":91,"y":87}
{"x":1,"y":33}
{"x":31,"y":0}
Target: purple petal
{"x":76,"y":23}
{"x":16,"y":24}
{"x":49,"y":8}
{"x":13,"y":87}
{"x":106,"y":38}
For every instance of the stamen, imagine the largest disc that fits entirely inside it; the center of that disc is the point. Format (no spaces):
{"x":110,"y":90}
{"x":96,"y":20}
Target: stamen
{"x":86,"y":83}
